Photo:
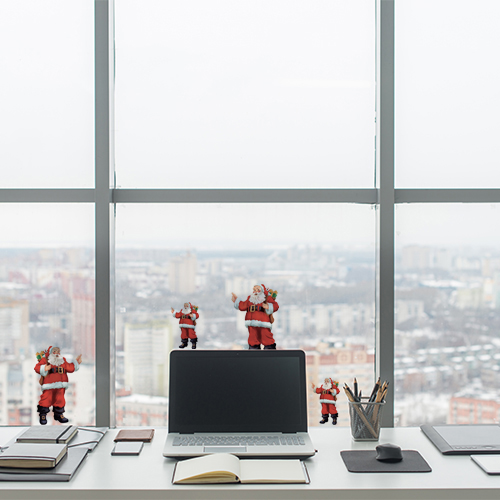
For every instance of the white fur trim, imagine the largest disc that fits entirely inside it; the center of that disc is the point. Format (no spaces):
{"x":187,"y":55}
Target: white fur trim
{"x":237,"y":303}
{"x":43,"y":371}
{"x":270,"y":310}
{"x":76,"y":365}
{"x":258,"y":324}
{"x":327,"y":401}
{"x":183,"y":325}
{"x":173,"y":314}
{"x":257,"y":299}
{"x":55,"y":385}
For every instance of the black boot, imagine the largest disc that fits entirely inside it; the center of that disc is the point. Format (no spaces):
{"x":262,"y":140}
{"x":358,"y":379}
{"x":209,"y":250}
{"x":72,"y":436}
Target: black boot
{"x":193,"y":343}
{"x":59,"y":414}
{"x":325,"y":418}
{"x":43,"y":410}
{"x":254,"y":347}
{"x":272,"y":346}
{"x":334,"y":418}
{"x":183,"y":344}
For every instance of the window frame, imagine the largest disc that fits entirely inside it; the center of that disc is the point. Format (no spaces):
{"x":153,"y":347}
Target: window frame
{"x":105,"y":195}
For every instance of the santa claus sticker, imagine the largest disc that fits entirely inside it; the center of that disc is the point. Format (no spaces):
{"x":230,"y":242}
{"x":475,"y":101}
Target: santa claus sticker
{"x":259,"y":308}
{"x":187,"y":317}
{"x":54,"y":370}
{"x":328,"y":391}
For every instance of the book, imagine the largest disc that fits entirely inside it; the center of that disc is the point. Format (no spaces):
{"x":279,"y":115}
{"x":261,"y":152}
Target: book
{"x":29,"y":455}
{"x":63,"y":471}
{"x":227,"y":468}
{"x":145,"y":435}
{"x":48,"y":434}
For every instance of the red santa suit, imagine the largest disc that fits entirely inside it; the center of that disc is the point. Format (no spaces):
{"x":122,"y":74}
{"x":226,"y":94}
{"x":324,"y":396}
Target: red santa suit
{"x":257,"y":320}
{"x":55,"y":382}
{"x":186,"y":323}
{"x":327,"y":399}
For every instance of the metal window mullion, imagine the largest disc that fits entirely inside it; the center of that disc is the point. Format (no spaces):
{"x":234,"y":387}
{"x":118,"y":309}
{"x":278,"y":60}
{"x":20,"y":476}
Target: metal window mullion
{"x":385,"y":157}
{"x":104,"y":217}
{"x":465,"y":195}
{"x":368,"y":196}
{"x":42,"y":195}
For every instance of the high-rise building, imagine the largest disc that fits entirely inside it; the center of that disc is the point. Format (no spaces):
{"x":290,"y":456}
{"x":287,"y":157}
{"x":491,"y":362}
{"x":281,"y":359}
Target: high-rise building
{"x":14,"y":327}
{"x":147,"y":348}
{"x":182,"y":274}
{"x":83,"y":326}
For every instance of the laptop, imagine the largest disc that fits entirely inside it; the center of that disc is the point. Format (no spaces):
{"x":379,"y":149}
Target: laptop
{"x":249,"y":403}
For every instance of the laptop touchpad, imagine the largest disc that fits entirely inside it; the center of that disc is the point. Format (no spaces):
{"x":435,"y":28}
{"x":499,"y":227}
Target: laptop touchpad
{"x":225,"y":449}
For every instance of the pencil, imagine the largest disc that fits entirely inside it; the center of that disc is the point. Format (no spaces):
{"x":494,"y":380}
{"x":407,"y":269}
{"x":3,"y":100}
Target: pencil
{"x":374,"y":391}
{"x":360,"y":412}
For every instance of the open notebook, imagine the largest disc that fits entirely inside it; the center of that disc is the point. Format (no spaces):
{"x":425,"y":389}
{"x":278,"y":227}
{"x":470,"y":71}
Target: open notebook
{"x":225,"y":468}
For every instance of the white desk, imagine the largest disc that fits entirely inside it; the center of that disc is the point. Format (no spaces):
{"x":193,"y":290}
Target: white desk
{"x":149,"y":475}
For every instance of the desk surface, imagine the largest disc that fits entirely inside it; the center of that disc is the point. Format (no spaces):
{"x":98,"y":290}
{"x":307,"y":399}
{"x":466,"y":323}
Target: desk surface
{"x":149,"y":475}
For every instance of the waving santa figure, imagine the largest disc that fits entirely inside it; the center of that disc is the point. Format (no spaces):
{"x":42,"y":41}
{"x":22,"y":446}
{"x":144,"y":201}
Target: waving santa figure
{"x":328,"y":391}
{"x":54,"y":370}
{"x":259,"y":308}
{"x":187,"y":317}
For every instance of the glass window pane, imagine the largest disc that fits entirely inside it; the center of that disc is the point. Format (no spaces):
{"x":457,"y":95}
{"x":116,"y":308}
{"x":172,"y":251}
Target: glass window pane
{"x":46,"y":299}
{"x":447,"y":99}
{"x":319,"y":258}
{"x":47,"y":93}
{"x":274,"y":93}
{"x":447,"y":363}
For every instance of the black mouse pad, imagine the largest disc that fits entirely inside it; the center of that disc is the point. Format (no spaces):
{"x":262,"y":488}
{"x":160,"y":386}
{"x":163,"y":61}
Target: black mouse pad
{"x":365,"y":461}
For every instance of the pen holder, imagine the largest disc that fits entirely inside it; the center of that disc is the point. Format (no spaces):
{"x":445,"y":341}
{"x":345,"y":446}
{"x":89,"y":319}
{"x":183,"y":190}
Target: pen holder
{"x":365,"y":419}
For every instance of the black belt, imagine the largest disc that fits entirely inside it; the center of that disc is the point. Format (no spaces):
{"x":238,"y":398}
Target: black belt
{"x":254,"y":308}
{"x":57,"y":369}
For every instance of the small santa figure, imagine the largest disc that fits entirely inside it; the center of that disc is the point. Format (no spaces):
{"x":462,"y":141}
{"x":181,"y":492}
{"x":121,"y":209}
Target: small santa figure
{"x":187,"y":317}
{"x":259,"y":307}
{"x":328,"y":391}
{"x":53,"y":369}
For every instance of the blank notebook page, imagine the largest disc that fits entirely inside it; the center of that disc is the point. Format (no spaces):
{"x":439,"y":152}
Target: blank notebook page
{"x":271,"y":470}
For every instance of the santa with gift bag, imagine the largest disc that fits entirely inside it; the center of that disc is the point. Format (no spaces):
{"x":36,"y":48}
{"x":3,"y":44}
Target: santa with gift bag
{"x":53,"y":368}
{"x":259,"y":308}
{"x":328,"y":391}
{"x":187,"y":317}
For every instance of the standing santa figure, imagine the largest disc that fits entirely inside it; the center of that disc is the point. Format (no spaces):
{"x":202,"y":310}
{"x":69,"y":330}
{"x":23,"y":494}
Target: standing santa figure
{"x":53,"y":369}
{"x":259,"y":307}
{"x":328,"y":391}
{"x":187,"y":317}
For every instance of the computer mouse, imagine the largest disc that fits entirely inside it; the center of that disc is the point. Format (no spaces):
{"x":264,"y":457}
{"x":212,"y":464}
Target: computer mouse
{"x":389,"y":453}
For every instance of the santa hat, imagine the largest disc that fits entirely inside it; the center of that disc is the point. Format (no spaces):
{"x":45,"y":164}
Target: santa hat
{"x":49,"y":351}
{"x":264,"y":289}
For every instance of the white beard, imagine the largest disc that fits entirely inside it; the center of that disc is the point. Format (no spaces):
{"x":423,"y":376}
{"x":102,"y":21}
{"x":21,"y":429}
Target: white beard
{"x":55,"y":360}
{"x":257,"y":298}
{"x":327,"y":386}
{"x":186,"y":310}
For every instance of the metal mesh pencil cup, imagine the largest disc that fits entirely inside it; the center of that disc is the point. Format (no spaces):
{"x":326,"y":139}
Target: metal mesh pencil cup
{"x":365,"y":419}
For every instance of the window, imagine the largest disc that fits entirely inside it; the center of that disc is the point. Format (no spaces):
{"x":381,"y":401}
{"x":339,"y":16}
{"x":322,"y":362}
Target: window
{"x":217,"y":249}
{"x":323,"y":116}
{"x":47,"y":283}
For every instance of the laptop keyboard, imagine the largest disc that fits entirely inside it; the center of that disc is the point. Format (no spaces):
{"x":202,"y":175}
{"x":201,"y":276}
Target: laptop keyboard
{"x":238,"y":440}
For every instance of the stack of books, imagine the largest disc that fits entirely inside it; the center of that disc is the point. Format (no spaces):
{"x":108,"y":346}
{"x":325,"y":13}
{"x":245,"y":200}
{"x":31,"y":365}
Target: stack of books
{"x":43,"y":454}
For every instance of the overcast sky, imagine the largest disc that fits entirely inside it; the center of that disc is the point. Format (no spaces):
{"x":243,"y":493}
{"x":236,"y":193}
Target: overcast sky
{"x":250,"y":93}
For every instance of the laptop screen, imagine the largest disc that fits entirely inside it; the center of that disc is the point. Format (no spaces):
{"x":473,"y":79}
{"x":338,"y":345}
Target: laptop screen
{"x":237,"y":391}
